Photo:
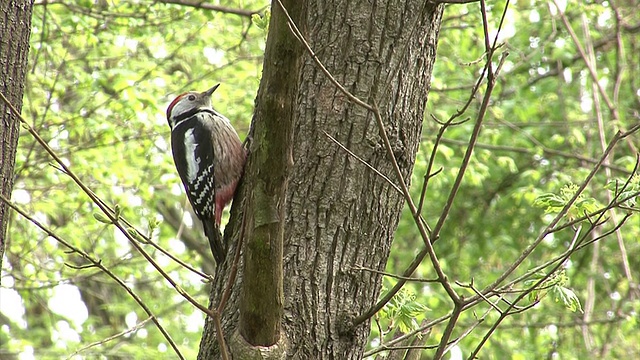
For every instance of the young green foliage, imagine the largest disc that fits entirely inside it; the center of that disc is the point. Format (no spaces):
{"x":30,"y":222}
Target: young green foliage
{"x":554,"y":285}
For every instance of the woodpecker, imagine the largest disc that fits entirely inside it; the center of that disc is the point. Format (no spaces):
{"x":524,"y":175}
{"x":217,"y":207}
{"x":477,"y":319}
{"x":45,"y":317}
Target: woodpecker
{"x":209,"y":158}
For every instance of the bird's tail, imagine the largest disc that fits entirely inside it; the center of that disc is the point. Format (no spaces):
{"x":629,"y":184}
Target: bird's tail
{"x":215,"y":240}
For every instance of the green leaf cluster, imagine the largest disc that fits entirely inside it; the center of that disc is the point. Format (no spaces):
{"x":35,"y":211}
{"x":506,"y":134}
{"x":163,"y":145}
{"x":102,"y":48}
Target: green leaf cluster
{"x":554,"y":285}
{"x":554,"y":203}
{"x":541,"y":137}
{"x":403,"y":312}
{"x":101,"y":75}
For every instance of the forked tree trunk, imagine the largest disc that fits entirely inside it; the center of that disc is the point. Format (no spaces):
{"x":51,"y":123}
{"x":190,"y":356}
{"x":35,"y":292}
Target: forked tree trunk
{"x":15,"y":28}
{"x":339,"y":215}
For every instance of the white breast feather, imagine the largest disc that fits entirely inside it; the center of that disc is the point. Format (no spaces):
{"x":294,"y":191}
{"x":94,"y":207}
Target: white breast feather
{"x":189,"y":154}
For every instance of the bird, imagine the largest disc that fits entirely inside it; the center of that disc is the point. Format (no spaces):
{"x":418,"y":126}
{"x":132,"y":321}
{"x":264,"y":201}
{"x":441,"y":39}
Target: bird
{"x":209,"y":158}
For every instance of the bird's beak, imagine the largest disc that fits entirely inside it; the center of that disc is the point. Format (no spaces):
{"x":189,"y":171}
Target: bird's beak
{"x":210,"y":91}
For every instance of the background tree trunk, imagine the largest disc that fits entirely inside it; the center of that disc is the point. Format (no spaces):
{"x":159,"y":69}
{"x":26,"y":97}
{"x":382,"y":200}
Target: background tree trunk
{"x":339,"y":214}
{"x":15,"y":28}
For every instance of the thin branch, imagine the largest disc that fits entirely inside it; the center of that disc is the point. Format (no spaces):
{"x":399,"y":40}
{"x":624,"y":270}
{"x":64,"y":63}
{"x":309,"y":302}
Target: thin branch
{"x":579,"y":245}
{"x":296,"y":32}
{"x":136,"y":327}
{"x":427,"y":174}
{"x":491,"y":81}
{"x":98,"y":264}
{"x":480,"y":294}
{"x":416,"y":216}
{"x":419,"y":222}
{"x":467,"y":331}
{"x":617,"y":202}
{"x":384,"y":177}
{"x":391,"y":344}
{"x":384,"y":273}
{"x":616,"y":228}
{"x":545,"y":151}
{"x":207,"y":6}
{"x":588,"y":63}
{"x":106,"y":210}
{"x":459,"y":2}
{"x":619,"y":136}
{"x":194,"y":4}
{"x":577,"y":323}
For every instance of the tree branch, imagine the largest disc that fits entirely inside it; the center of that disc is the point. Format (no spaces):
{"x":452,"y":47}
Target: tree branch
{"x":98,"y":264}
{"x":206,"y":6}
{"x":262,"y":298}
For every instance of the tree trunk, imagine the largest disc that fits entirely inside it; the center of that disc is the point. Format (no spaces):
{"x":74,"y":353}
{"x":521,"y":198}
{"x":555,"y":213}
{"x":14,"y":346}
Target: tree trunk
{"x":339,"y":215}
{"x":15,"y":28}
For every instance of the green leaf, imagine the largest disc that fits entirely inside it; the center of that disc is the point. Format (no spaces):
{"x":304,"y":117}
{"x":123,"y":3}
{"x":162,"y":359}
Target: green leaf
{"x":554,"y":203}
{"x":117,"y":210}
{"x":555,"y":285}
{"x":567,"y":297}
{"x":262,"y":21}
{"x":102,"y":218}
{"x":404,"y":309}
{"x":136,"y":235}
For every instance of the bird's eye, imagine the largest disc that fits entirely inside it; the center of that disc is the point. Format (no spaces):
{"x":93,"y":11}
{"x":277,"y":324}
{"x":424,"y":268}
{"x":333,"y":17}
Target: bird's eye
{"x":191,"y":97}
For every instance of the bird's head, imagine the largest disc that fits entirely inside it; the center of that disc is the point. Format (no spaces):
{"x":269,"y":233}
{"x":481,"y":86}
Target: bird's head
{"x":187,"y":104}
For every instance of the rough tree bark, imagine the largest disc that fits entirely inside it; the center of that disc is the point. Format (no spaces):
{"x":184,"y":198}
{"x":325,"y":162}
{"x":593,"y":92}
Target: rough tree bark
{"x":339,"y":215}
{"x":261,"y":300}
{"x":15,"y":29}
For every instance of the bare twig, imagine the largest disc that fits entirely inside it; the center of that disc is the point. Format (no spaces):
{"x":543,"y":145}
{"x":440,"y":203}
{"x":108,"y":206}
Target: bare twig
{"x":98,"y":264}
{"x":550,"y":227}
{"x":420,"y":223}
{"x":545,"y":150}
{"x":491,"y":81}
{"x":194,"y":4}
{"x":412,"y":279}
{"x":296,"y":32}
{"x":364,"y":163}
{"x":136,"y":327}
{"x":559,"y":261}
{"x":207,"y":6}
{"x":590,"y":65}
{"x":106,"y":210}
{"x":434,"y":150}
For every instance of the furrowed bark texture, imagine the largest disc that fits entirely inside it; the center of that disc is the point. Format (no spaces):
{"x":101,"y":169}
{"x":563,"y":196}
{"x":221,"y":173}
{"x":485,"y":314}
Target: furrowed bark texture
{"x":339,"y":215}
{"x":15,"y":28}
{"x":258,"y":322}
{"x":261,"y":302}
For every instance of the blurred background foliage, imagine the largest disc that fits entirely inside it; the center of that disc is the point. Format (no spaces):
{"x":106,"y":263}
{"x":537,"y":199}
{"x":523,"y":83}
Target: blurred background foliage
{"x":102,"y":73}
